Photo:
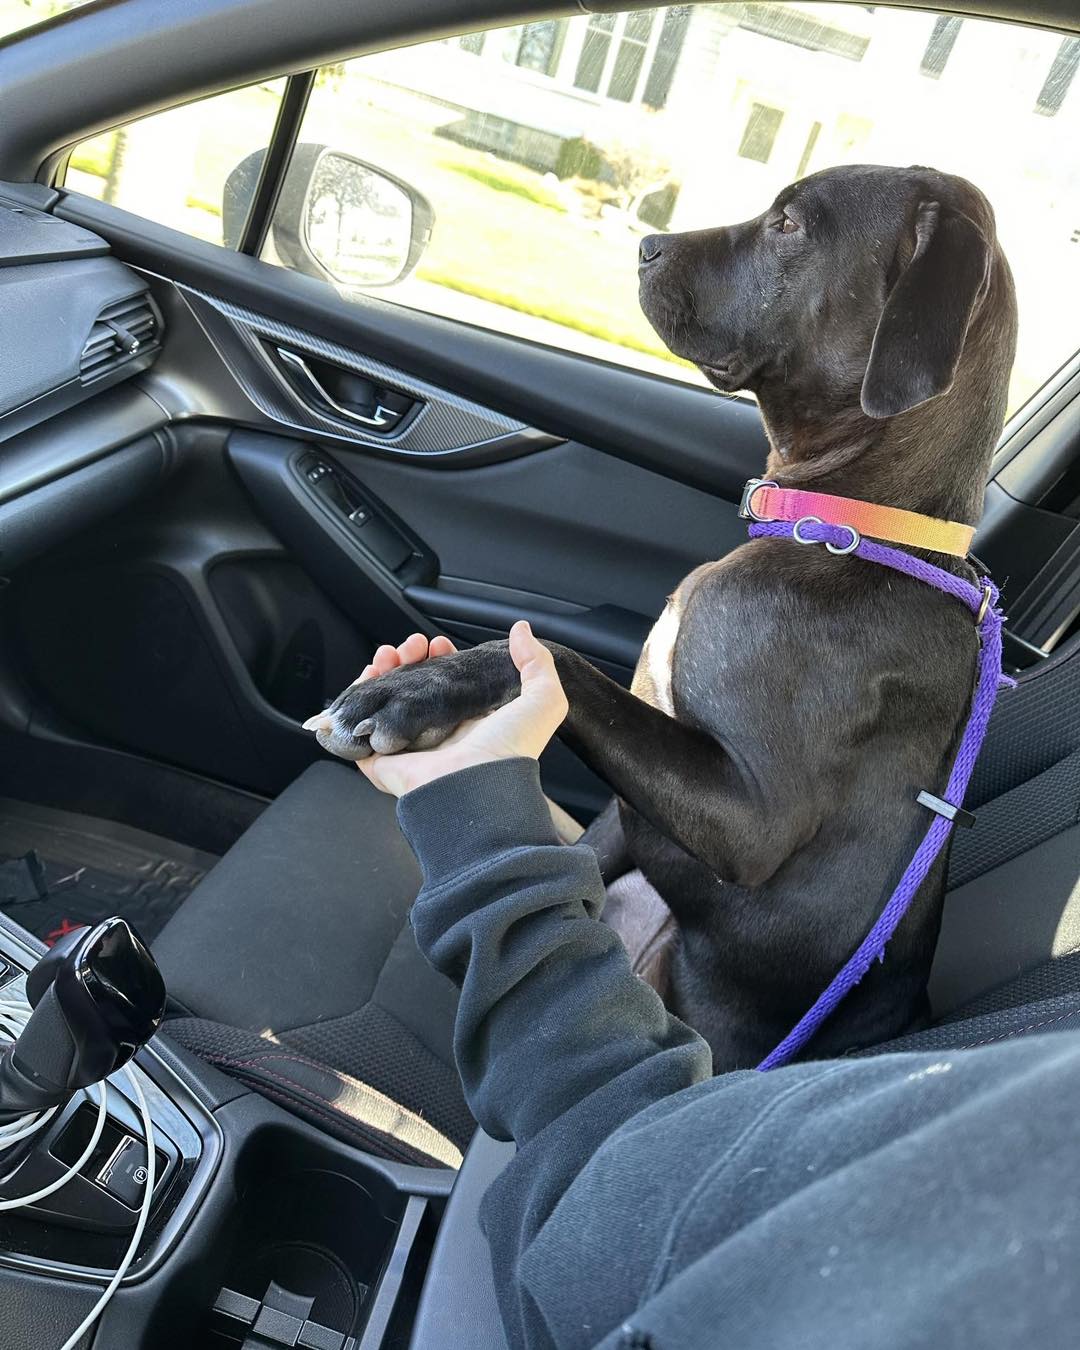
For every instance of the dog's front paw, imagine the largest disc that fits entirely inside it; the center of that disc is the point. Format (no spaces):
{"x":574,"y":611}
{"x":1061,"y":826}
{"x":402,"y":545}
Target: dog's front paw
{"x":412,"y":708}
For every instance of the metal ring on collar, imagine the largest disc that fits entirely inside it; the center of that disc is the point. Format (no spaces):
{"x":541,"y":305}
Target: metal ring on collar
{"x":856,"y":540}
{"x":745,"y":509}
{"x":805,"y":520}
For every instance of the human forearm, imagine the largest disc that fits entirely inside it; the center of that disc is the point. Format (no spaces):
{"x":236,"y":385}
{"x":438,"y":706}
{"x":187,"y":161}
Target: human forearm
{"x":550,"y":1010}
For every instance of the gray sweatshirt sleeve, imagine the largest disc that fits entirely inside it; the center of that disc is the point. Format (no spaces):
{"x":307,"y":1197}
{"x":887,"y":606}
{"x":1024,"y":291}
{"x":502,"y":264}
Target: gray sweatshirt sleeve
{"x":552,"y":1022}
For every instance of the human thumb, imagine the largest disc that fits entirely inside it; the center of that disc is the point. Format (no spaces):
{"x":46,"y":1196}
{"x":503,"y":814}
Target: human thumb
{"x":539,"y":680}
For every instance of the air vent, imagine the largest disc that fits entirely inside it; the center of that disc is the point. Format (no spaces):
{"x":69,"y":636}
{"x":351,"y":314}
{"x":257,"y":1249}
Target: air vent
{"x":121,"y":332}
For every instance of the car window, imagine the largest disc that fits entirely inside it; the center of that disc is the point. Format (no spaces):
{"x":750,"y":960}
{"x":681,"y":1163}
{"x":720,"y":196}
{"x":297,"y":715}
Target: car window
{"x":546,"y":150}
{"x":504,"y":178}
{"x":173,"y":167}
{"x":16,"y":15}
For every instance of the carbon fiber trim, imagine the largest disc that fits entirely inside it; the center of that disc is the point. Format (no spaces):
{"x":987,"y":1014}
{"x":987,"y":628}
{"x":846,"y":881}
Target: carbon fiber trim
{"x":444,"y":424}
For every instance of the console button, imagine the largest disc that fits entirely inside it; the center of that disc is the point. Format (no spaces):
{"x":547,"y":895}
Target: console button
{"x":280,"y":1327}
{"x":317,"y":1337}
{"x":7,"y":972}
{"x":124,"y":1175}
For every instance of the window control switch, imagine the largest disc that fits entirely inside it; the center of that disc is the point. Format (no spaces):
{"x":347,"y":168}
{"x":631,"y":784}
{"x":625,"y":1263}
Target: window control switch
{"x":383,"y":542}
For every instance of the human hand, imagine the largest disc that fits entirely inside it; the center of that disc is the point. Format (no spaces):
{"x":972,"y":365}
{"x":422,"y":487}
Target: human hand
{"x":522,"y":727}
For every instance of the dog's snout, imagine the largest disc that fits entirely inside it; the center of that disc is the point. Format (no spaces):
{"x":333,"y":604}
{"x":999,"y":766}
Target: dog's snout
{"x":649,"y":250}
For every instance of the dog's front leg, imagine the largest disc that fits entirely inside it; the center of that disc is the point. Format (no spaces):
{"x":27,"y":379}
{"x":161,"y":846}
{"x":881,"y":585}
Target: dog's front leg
{"x":677,"y":777}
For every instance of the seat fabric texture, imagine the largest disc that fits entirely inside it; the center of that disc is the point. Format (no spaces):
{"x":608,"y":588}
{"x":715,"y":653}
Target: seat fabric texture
{"x":293,"y":966}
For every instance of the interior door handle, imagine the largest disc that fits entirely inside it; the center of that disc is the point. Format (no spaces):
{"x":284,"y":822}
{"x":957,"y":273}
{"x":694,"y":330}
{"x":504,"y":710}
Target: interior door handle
{"x":382,"y":418}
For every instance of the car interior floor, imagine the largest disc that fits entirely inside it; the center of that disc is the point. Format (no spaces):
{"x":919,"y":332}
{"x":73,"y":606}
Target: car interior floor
{"x":87,"y":832}
{"x":61,"y":869}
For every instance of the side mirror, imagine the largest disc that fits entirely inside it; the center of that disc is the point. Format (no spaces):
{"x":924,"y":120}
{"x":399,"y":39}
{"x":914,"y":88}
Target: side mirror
{"x":337,"y":218}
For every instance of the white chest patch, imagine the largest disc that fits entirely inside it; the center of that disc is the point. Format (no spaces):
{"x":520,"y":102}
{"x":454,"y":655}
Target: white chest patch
{"x":654,"y":670}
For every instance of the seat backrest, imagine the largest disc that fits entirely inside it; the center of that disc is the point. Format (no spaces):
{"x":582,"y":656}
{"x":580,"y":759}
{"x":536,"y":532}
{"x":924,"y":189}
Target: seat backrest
{"x":1014,"y":897}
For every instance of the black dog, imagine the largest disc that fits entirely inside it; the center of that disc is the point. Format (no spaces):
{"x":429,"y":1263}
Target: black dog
{"x":789,"y":705}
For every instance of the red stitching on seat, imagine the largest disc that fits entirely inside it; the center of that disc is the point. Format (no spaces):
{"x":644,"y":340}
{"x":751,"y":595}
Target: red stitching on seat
{"x":333,"y":1114}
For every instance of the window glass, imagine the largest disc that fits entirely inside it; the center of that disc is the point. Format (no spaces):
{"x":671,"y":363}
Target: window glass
{"x":18,"y":14}
{"x":545,"y":151}
{"x":173,"y":167}
{"x":505,"y":178}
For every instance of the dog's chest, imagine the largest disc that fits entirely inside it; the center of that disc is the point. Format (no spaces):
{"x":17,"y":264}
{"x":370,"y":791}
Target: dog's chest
{"x":652,"y":678}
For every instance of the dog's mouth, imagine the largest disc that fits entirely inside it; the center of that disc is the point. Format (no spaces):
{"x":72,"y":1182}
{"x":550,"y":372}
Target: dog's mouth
{"x":730,"y":374}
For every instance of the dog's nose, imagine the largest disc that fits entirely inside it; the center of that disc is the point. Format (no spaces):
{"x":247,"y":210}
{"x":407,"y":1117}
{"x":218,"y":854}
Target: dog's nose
{"x":649,"y":250}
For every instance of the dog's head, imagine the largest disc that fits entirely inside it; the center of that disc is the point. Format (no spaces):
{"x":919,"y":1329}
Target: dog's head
{"x":855,"y":289}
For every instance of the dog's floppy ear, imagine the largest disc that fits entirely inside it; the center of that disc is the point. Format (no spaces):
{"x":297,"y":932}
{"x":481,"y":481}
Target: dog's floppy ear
{"x":921,"y":332}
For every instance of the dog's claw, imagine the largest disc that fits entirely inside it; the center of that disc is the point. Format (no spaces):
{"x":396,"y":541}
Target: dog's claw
{"x":362,"y":728}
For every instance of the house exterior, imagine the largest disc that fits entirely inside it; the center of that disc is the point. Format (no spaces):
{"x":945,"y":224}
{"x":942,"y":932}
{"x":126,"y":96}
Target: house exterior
{"x":768,"y":91}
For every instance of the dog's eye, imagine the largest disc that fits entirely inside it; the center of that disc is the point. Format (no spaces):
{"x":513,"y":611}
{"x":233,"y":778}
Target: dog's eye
{"x":785,"y":225}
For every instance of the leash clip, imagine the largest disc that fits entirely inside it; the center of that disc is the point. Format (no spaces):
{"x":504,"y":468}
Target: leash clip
{"x":987,"y":596}
{"x":746,"y":511}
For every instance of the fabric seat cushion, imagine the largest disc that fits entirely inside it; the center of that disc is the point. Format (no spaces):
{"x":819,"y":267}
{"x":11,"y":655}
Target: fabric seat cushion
{"x":299,"y":938}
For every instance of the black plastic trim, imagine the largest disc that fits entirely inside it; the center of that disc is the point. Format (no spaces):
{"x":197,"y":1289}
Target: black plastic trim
{"x":327,"y":547}
{"x":275,"y":163}
{"x":686,"y":433}
{"x":37,"y":521}
{"x":185,"y":1122}
{"x":607,"y":632}
{"x":76,"y":438}
{"x":458,"y":1305}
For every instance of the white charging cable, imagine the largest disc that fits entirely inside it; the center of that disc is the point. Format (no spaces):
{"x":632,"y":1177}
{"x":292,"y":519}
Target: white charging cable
{"x":14,"y":1015}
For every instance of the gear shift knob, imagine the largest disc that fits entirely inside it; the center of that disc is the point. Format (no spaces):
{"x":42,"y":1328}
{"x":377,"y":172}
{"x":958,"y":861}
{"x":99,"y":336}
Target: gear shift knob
{"x":97,"y":997}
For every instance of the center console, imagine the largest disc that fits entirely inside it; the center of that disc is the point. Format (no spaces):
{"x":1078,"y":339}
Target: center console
{"x":262,"y":1232}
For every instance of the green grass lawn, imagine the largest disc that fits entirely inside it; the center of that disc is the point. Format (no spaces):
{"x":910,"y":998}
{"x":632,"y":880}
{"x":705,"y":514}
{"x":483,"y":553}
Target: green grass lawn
{"x":502,"y":232}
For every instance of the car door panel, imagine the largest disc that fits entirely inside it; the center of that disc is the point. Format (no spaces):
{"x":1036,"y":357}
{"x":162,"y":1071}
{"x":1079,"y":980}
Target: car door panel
{"x":678,"y":430}
{"x":526,"y":482}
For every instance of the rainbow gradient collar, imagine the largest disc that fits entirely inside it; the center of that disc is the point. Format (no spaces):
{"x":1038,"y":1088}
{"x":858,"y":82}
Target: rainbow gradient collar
{"x":765,"y":501}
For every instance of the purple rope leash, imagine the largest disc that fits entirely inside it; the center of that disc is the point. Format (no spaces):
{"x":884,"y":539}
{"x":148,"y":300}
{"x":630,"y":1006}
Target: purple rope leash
{"x":982,"y":601}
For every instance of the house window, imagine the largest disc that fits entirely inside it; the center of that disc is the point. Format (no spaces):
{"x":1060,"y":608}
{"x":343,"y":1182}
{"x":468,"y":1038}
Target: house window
{"x":668,"y":50}
{"x":630,"y":57}
{"x":802,"y":30}
{"x":943,"y":37}
{"x":1062,"y":72}
{"x":472,"y":42}
{"x":760,"y":135}
{"x":594,"y":52}
{"x":612,"y":59}
{"x":540,"y":46}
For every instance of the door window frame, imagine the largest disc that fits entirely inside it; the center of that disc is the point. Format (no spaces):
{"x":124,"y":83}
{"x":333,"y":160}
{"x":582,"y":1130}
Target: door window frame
{"x":298,"y":88}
